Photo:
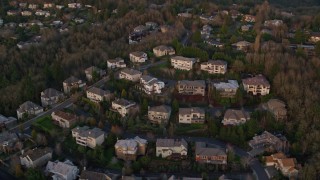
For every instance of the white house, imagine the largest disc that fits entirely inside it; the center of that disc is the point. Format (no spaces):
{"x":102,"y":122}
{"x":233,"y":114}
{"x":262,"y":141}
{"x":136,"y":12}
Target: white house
{"x":151,"y":85}
{"x":191,"y":115}
{"x":88,"y":137}
{"x":36,"y":157}
{"x":98,"y":95}
{"x":182,"y":63}
{"x":62,"y":170}
{"x":235,"y":117}
{"x":138,"y":57}
{"x":214,"y":66}
{"x":116,"y":63}
{"x":257,"y":85}
{"x":122,"y":106}
{"x":130,"y":74}
{"x":171,"y":148}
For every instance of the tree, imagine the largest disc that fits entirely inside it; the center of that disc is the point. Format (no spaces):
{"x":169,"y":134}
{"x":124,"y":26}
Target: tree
{"x":144,"y":107}
{"x":18,"y":170}
{"x":175,"y":106}
{"x":145,"y":160}
{"x":123,"y":93}
{"x":196,"y":37}
{"x":34,"y":174}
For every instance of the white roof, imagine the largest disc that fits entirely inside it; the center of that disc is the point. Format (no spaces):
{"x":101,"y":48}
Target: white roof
{"x":231,"y":84}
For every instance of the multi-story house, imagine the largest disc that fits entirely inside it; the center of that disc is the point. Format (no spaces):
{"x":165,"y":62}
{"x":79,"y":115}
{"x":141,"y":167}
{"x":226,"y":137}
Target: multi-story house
{"x":130,"y":74}
{"x":98,"y":95}
{"x":225,"y":89}
{"x":257,"y":85}
{"x":72,"y":83}
{"x":129,"y":149}
{"x":63,"y":119}
{"x":26,"y":13}
{"x":214,"y":66}
{"x":34,"y":158}
{"x":235,"y":117}
{"x":171,"y":148}
{"x":276,"y":107}
{"x":88,"y":137}
{"x":74,"y":5}
{"x":91,"y":71}
{"x":48,"y":5}
{"x":159,"y":114}
{"x":210,"y":155}
{"x":50,"y":97}
{"x":116,"y":63}
{"x":314,"y":37}
{"x":62,"y":170}
{"x":122,"y":106}
{"x":206,"y":31}
{"x":268,"y":141}
{"x":197,"y":87}
{"x":287,"y":166}
{"x":182,"y":63}
{"x":28,"y":108}
{"x":163,"y":50}
{"x":33,"y":6}
{"x":138,"y":57}
{"x":151,"y":85}
{"x":191,"y":115}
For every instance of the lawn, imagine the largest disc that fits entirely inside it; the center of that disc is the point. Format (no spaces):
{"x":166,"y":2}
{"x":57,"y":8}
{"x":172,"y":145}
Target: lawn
{"x":45,"y":124}
{"x":183,"y":129}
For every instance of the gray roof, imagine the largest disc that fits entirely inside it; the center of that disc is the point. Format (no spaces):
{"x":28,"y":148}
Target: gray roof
{"x":163,"y":48}
{"x":28,"y":105}
{"x":98,"y":91}
{"x":236,"y":114}
{"x":185,"y":111}
{"x":203,"y":150}
{"x":115,"y":60}
{"x":130,"y":71}
{"x":6,"y":136}
{"x":85,"y":131}
{"x":71,"y":80}
{"x":216,"y":62}
{"x":195,"y":83}
{"x":37,"y":153}
{"x":171,"y":143}
{"x":137,"y":53}
{"x":181,"y":58}
{"x":50,"y":92}
{"x":123,"y":102}
{"x":162,"y":109}
{"x":231,"y":84}
{"x":5,"y":120}
{"x":91,"y":69}
{"x":147,"y":78}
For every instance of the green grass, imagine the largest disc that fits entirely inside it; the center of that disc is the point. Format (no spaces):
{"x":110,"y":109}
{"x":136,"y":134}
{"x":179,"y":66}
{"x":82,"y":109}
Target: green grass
{"x":45,"y":124}
{"x":186,"y":128}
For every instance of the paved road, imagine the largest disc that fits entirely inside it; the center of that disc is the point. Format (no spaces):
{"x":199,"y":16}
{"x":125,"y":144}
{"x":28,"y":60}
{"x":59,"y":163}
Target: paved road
{"x":62,"y":105}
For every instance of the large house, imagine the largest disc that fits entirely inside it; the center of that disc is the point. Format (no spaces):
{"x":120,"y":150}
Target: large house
{"x":63,"y":119}
{"x":314,"y":37}
{"x":182,"y":63}
{"x":268,"y":141}
{"x":28,"y":108}
{"x":276,"y":107}
{"x":88,"y":137}
{"x":122,"y":106}
{"x":98,"y":95}
{"x":62,"y":170}
{"x":235,"y":117}
{"x":92,"y":71}
{"x":36,"y":157}
{"x":287,"y":166}
{"x":225,"y":89}
{"x":130,"y":74}
{"x":210,"y":155}
{"x":116,"y":63}
{"x":163,"y":50}
{"x":197,"y":87}
{"x":7,"y":121}
{"x":151,"y":85}
{"x":191,"y":115}
{"x":159,"y":114}
{"x":129,"y":149}
{"x":171,"y":148}
{"x":256,"y":85}
{"x":72,"y":83}
{"x":242,"y":45}
{"x":51,"y":97}
{"x":214,"y":67}
{"x":138,"y":57}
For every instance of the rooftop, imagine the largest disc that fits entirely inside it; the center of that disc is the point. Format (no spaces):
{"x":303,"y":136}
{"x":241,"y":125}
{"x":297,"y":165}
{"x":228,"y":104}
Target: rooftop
{"x":202,"y":149}
{"x":162,"y":109}
{"x":236,"y":114}
{"x":171,"y":143}
{"x":130,"y":71}
{"x":37,"y":153}
{"x":186,"y":111}
{"x":98,"y":91}
{"x":195,"y":83}
{"x":257,"y":80}
{"x":123,"y":102}
{"x":50,"y":92}
{"x":65,"y":115}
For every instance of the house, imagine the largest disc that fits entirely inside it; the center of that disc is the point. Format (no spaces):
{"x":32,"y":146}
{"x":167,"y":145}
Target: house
{"x":33,"y":6}
{"x":140,"y":28}
{"x":242,"y":45}
{"x":182,"y":63}
{"x":26,"y":13}
{"x":245,"y":28}
{"x":98,"y":95}
{"x":42,"y":13}
{"x":129,"y":149}
{"x":276,"y":107}
{"x":206,"y":18}
{"x":209,"y":155}
{"x":63,"y":119}
{"x":48,"y":5}
{"x":36,"y":157}
{"x":78,"y":20}
{"x":235,"y":117}
{"x":191,"y":115}
{"x":206,"y":31}
{"x":62,"y":170}
{"x":122,"y":106}
{"x":138,"y":57}
{"x":249,"y":18}
{"x":116,"y":63}
{"x":23,"y":5}
{"x":72,"y":83}
{"x":214,"y":43}
{"x":93,"y":71}
{"x":225,"y":89}
{"x":12,"y":12}
{"x":130,"y":74}
{"x":88,"y":137}
{"x":91,"y":175}
{"x":287,"y":166}
{"x":74,"y":5}
{"x":50,"y":97}
{"x":163,"y":50}
{"x":151,"y":85}
{"x":257,"y":85}
{"x":268,"y":141}
{"x":214,"y":67}
{"x":59,"y":6}
{"x":172,"y":148}
{"x":28,"y":108}
{"x":185,"y":15}
{"x":8,"y":141}
{"x":271,"y":23}
{"x":314,"y":37}
{"x":159,"y":114}
{"x":196,"y":87}
{"x":266,"y":31}
{"x":7,"y":121}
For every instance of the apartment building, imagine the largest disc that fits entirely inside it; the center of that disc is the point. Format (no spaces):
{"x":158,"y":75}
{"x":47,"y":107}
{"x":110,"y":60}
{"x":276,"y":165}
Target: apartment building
{"x":257,"y":85}
{"x":210,"y":155}
{"x":63,"y":119}
{"x":37,"y":157}
{"x":98,"y":95}
{"x":88,"y":137}
{"x":191,"y":115}
{"x":138,"y":57}
{"x":159,"y":114}
{"x":214,"y":67}
{"x":151,"y":85}
{"x":163,"y":50}
{"x":129,"y":149}
{"x":197,"y":87}
{"x":235,"y":117}
{"x":182,"y":63}
{"x":122,"y":106}
{"x":130,"y":74}
{"x":172,"y":148}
